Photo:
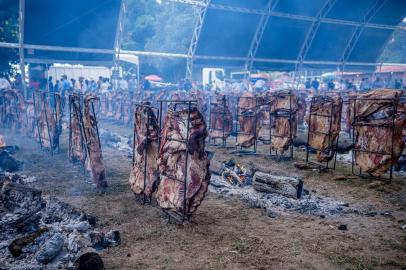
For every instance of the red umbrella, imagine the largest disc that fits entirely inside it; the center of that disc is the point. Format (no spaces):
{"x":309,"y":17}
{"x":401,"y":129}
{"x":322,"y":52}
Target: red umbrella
{"x":153,"y":78}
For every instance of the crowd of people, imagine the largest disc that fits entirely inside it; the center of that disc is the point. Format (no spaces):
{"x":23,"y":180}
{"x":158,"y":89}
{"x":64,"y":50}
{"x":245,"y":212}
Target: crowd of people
{"x":364,"y":85}
{"x":129,"y":85}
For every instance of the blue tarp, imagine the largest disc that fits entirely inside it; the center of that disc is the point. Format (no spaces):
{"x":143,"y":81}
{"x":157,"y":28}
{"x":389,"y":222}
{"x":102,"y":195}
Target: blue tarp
{"x":71,"y":23}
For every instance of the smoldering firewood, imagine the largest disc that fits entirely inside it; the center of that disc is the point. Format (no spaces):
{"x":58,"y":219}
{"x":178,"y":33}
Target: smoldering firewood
{"x":258,"y":167}
{"x":216,"y":167}
{"x":50,"y":249}
{"x":16,"y":195}
{"x":11,"y":149}
{"x":18,"y":244}
{"x":284,"y":185}
{"x":8,"y":163}
{"x":89,"y":260}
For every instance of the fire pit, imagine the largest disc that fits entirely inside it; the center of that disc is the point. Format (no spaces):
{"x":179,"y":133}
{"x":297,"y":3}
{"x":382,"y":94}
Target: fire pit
{"x":38,"y":231}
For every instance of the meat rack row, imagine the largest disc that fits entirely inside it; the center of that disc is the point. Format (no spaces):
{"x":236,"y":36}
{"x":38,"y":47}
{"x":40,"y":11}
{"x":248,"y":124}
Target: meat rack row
{"x":333,"y":144}
{"x":76,"y":110}
{"x":253,"y":115}
{"x":289,"y":113}
{"x":41,"y":101}
{"x":182,"y":216}
{"x":357,"y":123}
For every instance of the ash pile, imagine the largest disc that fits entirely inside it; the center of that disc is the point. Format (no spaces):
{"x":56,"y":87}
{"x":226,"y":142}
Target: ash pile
{"x":38,"y":232}
{"x":115,"y":141}
{"x":274,"y":193}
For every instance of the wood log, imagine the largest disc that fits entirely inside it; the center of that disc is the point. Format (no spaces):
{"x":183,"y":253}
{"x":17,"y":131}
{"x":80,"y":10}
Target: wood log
{"x":16,"y":247}
{"x":284,"y":185}
{"x":216,"y":167}
{"x":17,"y":195}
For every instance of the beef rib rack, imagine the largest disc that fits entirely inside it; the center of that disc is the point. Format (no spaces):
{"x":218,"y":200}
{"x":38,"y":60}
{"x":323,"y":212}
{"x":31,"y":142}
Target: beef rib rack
{"x":45,"y":121}
{"x":246,"y":111}
{"x":378,"y":130}
{"x":94,"y":161}
{"x":77,"y":147}
{"x":221,"y":120}
{"x":324,"y":126}
{"x":146,"y":130}
{"x":283,"y":109}
{"x":175,"y":146}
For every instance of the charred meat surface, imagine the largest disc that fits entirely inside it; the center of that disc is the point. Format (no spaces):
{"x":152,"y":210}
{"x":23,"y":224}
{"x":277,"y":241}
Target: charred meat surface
{"x":172,"y":162}
{"x":247,"y":110}
{"x":46,"y":130}
{"x":324,"y":126}
{"x":94,"y":162}
{"x":146,"y":146}
{"x":77,"y":146}
{"x":283,"y":109}
{"x":221,"y":120}
{"x":378,"y":130}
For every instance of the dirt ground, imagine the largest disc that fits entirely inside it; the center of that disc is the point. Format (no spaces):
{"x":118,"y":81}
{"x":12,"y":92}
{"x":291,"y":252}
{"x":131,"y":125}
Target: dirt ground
{"x":226,"y":233}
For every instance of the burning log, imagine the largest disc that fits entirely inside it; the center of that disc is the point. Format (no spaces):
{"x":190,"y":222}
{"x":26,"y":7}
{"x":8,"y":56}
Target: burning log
{"x":287,"y":186}
{"x":50,"y":249}
{"x":16,"y":247}
{"x":7,"y":162}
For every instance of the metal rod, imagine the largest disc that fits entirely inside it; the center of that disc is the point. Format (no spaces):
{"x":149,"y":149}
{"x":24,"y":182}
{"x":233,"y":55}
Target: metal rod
{"x":47,"y":123}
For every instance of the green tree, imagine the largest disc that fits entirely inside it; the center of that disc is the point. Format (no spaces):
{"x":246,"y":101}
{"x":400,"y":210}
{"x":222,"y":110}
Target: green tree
{"x":8,"y":33}
{"x":173,"y":32}
{"x":165,"y":27}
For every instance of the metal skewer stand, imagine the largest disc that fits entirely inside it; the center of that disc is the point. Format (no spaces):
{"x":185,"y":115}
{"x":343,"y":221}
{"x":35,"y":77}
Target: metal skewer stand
{"x":251,"y":115}
{"x":143,"y":198}
{"x":332,"y":145}
{"x":212,"y":127}
{"x":178,"y":217}
{"x":357,"y":149}
{"x":290,"y":115}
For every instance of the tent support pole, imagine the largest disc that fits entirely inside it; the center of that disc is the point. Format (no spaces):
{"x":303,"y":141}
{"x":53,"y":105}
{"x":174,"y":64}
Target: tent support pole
{"x":195,"y":38}
{"x":311,"y":33}
{"x":372,"y":11}
{"x":21,"y":44}
{"x":256,"y":40}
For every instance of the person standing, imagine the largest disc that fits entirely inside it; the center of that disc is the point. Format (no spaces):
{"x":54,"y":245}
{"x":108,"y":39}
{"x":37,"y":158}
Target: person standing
{"x":51,"y":90}
{"x":308,"y":84}
{"x":315,"y":85}
{"x":132,"y":85}
{"x":331,"y":85}
{"x":378,"y":83}
{"x":18,"y":84}
{"x":80,"y":86}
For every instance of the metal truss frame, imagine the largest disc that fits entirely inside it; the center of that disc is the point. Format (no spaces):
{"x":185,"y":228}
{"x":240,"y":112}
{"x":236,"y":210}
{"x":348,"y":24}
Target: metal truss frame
{"x":117,"y":42}
{"x":177,"y":55}
{"x":195,"y":38}
{"x":353,"y":41}
{"x":259,"y":32}
{"x":311,"y":33}
{"x":284,"y":15}
{"x":21,"y":21}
